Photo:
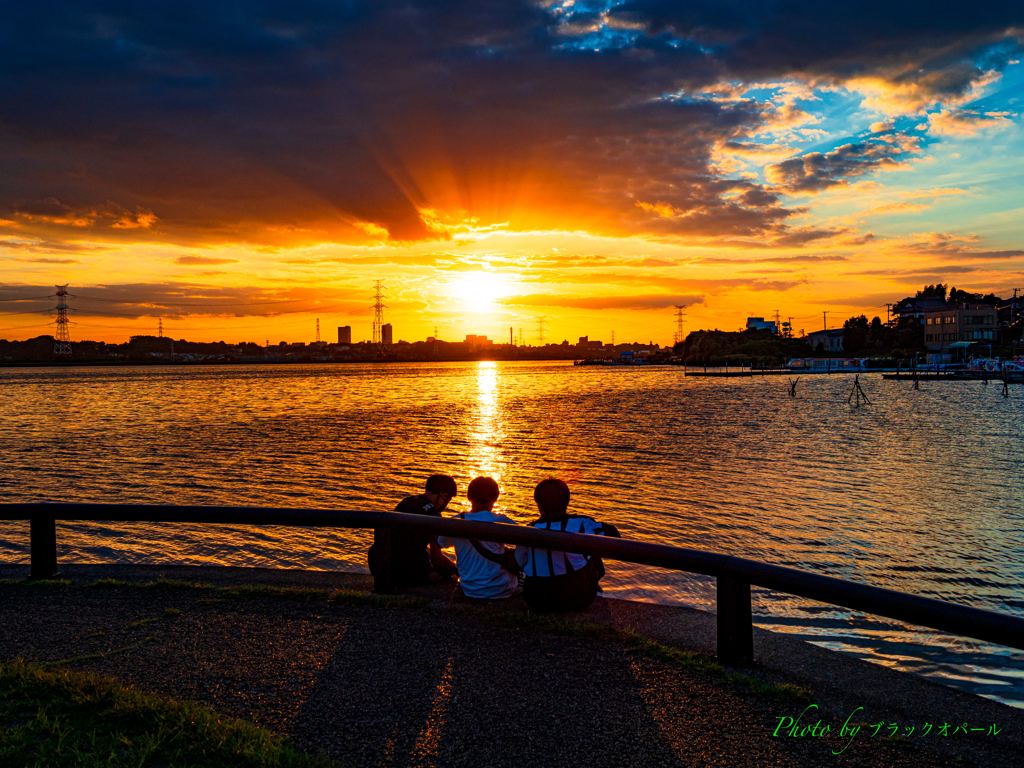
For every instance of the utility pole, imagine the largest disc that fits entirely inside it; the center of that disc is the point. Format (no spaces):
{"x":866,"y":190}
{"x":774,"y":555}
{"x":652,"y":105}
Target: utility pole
{"x":62,"y":344}
{"x":824,"y":319}
{"x":160,"y":328}
{"x":511,"y":341}
{"x":540,"y":331}
{"x":679,"y":324}
{"x":613,"y":338}
{"x":790,"y":334}
{"x":778,"y":323}
{"x":888,"y":313}
{"x":378,"y":312}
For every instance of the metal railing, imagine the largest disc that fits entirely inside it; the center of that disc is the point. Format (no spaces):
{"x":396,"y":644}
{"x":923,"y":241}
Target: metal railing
{"x":734,"y":575}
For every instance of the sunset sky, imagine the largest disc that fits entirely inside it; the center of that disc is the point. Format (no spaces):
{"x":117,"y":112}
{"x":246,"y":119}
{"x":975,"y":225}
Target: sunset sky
{"x":241,"y":169}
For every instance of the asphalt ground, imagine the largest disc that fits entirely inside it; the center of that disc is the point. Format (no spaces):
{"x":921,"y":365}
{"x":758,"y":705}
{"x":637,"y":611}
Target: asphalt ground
{"x":457,"y":682}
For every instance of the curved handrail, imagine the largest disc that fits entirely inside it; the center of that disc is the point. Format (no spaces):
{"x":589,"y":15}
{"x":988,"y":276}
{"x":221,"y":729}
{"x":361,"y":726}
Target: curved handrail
{"x":961,"y":620}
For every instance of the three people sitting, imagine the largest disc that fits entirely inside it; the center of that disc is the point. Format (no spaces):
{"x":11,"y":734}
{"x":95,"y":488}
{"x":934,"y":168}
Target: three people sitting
{"x":549,"y":580}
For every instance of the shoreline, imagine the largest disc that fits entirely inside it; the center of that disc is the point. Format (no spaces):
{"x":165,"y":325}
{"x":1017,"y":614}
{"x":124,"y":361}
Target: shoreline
{"x":839,"y":683}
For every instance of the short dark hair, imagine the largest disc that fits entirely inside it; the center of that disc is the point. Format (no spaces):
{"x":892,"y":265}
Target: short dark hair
{"x":552,"y":495}
{"x":442,"y":484}
{"x":484,"y":490}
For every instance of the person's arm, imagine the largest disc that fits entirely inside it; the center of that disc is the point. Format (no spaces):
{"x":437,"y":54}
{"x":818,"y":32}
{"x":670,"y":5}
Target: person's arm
{"x":522,"y":555}
{"x":440,"y":560}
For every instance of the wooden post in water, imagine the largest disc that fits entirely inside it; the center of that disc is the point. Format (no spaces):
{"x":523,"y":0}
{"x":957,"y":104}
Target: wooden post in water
{"x":735,"y":624}
{"x":43,"y":542}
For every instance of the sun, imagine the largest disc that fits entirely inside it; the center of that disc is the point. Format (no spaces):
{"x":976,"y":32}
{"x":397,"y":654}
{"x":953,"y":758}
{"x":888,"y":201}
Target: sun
{"x":479,"y":291}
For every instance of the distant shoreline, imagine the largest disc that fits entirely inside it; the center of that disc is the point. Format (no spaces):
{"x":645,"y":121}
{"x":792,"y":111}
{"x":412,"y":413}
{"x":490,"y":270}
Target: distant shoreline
{"x":176,"y":364}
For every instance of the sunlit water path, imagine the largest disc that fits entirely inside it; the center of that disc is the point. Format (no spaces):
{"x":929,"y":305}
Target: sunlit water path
{"x":921,"y":491}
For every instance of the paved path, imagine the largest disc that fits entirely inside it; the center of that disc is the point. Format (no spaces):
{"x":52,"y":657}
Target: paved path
{"x":444,"y":686}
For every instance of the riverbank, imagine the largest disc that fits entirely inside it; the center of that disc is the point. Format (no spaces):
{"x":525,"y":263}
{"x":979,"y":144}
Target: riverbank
{"x":433,"y":678}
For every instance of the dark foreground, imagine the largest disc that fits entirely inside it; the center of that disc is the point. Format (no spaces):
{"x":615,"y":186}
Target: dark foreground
{"x":445,"y":681}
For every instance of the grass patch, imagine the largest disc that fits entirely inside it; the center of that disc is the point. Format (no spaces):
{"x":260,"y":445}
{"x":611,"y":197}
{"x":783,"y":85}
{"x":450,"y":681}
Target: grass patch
{"x":99,"y":654}
{"x":61,"y":718}
{"x":159,"y":584}
{"x":571,"y":626}
{"x":264,"y":592}
{"x":35,"y":583}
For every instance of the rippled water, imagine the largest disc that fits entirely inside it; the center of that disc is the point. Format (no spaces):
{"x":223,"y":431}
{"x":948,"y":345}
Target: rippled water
{"x":920,"y":491}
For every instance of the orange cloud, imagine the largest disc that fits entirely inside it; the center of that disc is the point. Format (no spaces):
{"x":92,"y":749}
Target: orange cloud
{"x":966,"y":122}
{"x":203,"y":260}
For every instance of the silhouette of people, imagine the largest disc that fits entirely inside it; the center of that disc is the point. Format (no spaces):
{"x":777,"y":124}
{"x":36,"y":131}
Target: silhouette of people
{"x":415,"y":557}
{"x":486,"y":569}
{"x":561,"y":581}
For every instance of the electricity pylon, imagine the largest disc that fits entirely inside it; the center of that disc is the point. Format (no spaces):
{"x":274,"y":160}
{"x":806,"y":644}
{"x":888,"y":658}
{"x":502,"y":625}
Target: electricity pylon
{"x":378,"y":312}
{"x":62,"y":342}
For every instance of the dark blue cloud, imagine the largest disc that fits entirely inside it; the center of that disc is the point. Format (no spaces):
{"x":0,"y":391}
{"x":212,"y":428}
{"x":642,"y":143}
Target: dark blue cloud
{"x":303,"y":120}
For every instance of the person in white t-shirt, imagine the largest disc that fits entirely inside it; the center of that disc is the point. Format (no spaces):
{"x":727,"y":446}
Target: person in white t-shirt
{"x":486,"y":569}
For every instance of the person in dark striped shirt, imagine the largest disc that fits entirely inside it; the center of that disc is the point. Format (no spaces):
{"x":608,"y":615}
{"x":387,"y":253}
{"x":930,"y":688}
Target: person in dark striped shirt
{"x":560,"y":581}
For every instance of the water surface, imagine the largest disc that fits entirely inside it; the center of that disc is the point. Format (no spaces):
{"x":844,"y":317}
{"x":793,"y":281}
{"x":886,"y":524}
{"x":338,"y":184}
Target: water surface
{"x":919,"y":491}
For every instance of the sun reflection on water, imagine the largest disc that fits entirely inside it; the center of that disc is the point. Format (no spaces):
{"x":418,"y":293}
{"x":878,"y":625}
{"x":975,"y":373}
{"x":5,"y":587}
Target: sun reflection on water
{"x":486,"y":428}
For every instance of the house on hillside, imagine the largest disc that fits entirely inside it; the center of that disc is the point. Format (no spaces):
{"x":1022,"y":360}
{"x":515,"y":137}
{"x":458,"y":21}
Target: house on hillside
{"x":908,"y":311}
{"x":831,"y":340}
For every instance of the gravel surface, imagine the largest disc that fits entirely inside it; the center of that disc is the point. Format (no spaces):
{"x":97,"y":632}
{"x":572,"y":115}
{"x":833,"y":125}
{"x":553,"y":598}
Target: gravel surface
{"x":439,"y":686}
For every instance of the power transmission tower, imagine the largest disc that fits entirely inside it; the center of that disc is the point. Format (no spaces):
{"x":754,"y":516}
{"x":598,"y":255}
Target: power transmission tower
{"x":62,"y":343}
{"x":378,"y":312}
{"x":436,"y":337}
{"x":679,"y":323}
{"x":318,"y":330}
{"x":778,"y":323}
{"x":540,"y":331}
{"x":160,"y":328}
{"x":613,"y":338}
{"x":522,"y":339}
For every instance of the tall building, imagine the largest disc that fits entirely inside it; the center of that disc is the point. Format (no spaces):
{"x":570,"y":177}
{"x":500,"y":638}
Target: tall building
{"x":385,"y":333}
{"x":344,"y":334}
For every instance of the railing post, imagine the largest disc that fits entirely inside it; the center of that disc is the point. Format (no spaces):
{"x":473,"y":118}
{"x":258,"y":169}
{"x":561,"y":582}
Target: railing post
{"x":735,"y":626}
{"x":383,"y":574}
{"x":43,"y":542}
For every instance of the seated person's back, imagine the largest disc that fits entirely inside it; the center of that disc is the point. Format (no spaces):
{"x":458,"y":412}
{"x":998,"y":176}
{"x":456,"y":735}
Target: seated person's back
{"x":480,"y":575}
{"x":561,"y":581}
{"x":415,"y":557}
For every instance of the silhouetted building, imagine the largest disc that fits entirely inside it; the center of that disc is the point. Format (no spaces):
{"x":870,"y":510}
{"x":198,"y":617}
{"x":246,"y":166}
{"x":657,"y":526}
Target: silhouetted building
{"x":476,"y":342}
{"x":760,"y":324}
{"x":910,"y":311}
{"x":385,"y":333}
{"x":965,"y":323}
{"x":345,"y":334}
{"x":831,"y":340}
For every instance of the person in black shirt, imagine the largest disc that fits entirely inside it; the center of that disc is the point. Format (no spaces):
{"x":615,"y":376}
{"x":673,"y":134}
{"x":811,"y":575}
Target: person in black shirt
{"x":415,"y":557}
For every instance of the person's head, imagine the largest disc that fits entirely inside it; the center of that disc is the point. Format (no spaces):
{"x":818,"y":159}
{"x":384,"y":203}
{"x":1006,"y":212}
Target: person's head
{"x":552,"y":497}
{"x":440,"y":490}
{"x":482,"y":493}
